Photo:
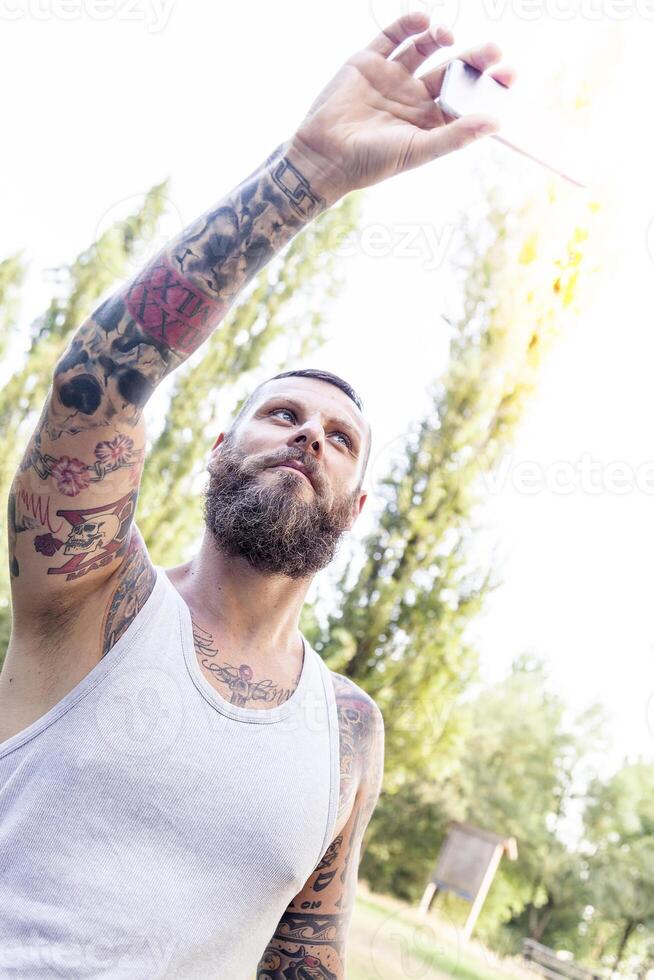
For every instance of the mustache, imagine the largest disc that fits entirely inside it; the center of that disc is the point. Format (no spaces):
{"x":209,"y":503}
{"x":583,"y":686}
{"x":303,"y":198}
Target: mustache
{"x":295,"y":456}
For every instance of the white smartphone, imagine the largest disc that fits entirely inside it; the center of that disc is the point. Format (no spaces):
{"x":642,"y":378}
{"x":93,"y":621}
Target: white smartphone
{"x":528,"y":129}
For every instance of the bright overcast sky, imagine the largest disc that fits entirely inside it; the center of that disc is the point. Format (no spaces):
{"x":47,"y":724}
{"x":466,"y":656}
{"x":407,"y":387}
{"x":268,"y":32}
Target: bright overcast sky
{"x":103,"y":98}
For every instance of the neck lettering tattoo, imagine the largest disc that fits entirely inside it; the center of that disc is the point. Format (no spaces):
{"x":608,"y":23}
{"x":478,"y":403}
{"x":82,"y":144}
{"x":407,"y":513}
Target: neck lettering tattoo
{"x":243,"y":688}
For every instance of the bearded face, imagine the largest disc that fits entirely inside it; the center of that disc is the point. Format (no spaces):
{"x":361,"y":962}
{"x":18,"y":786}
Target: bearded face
{"x":275,"y":523}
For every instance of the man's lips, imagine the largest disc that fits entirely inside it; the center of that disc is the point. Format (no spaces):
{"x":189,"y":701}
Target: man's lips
{"x":294,"y":466}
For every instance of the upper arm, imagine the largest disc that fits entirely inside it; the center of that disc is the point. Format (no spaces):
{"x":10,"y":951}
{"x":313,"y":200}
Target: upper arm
{"x":70,"y":513}
{"x":73,"y":498}
{"x":313,"y":930}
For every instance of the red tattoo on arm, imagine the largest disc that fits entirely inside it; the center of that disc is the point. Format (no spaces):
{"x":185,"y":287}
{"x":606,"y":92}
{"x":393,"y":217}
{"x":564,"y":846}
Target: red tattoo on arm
{"x":97,"y":535}
{"x":171,"y":309}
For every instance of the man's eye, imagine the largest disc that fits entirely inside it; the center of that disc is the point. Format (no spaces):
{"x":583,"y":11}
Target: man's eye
{"x":348,"y":442}
{"x":287,"y":410}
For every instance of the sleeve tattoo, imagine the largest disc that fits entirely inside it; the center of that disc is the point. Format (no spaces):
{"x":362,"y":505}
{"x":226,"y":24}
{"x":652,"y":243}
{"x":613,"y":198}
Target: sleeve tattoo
{"x":119,"y":355}
{"x":142,"y":333}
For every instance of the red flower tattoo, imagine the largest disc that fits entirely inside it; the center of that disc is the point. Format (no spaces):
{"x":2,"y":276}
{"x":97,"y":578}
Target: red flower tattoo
{"x":45,"y":544}
{"x":115,"y":453}
{"x":72,"y":475}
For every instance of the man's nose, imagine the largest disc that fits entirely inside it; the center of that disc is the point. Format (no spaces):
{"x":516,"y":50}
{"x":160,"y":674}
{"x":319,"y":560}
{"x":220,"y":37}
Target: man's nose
{"x":310,"y":438}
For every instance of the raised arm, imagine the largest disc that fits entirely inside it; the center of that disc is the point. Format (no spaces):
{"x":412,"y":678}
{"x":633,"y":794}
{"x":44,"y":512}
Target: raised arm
{"x":73,"y":498}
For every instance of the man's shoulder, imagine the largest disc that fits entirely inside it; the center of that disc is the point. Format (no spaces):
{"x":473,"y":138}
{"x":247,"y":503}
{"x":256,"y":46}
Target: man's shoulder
{"x":361,"y":731}
{"x":361,"y":722}
{"x":349,"y":694}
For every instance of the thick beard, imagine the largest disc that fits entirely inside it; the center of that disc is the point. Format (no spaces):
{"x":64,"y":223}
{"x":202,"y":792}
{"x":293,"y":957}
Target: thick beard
{"x":272,"y":526}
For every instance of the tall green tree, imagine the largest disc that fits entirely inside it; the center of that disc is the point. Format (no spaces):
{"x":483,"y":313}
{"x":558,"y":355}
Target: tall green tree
{"x":619,"y":827}
{"x":521,"y":776}
{"x":402,"y":610}
{"x":12,"y":272}
{"x":399,"y":626}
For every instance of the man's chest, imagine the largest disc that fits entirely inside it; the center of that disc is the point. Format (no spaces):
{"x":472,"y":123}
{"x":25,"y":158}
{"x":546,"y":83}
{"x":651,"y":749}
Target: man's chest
{"x":254,"y":687}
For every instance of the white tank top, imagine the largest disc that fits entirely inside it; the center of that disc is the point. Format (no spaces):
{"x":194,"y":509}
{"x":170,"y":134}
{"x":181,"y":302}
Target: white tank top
{"x":148,"y":827}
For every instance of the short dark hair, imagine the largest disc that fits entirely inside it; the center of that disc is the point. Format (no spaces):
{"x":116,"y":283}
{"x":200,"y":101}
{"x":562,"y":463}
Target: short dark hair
{"x":319,"y":375}
{"x":331,"y":379}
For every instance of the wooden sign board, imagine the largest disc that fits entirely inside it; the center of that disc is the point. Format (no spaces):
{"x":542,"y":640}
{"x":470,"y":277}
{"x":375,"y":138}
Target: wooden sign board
{"x":464,"y":860}
{"x":466,"y":865}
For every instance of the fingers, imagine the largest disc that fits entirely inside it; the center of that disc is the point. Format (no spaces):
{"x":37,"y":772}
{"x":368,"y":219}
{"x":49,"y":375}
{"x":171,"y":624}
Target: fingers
{"x":402,"y":28}
{"x":482,"y":57}
{"x":424,"y":46}
{"x":427,"y":43}
{"x":432,"y":143}
{"x":504,"y":75}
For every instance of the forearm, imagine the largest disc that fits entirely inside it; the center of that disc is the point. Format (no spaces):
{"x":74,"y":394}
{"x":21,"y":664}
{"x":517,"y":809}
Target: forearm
{"x":149,"y":327}
{"x":197,"y":276}
{"x":308,"y":940}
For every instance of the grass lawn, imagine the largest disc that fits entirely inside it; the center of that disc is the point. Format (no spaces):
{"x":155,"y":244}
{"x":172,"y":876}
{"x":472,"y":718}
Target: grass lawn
{"x":387,"y":942}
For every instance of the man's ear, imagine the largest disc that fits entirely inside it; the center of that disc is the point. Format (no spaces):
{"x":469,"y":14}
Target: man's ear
{"x":358,"y":507}
{"x":219,"y":440}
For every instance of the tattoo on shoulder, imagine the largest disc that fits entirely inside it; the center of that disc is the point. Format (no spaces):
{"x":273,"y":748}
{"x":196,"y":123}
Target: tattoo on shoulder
{"x":358,"y":723}
{"x":328,"y":859}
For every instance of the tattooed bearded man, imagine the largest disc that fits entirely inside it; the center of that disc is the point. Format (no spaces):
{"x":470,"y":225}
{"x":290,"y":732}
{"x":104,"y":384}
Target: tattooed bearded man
{"x":184,"y":785}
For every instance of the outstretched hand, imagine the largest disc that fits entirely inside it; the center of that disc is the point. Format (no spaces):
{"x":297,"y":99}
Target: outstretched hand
{"x":376,"y":118}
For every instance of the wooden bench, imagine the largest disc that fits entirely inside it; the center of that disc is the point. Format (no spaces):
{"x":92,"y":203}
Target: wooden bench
{"x":545,"y":961}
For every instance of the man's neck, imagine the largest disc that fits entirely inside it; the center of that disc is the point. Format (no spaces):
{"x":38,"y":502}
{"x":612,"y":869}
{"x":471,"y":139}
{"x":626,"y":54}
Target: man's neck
{"x":247,"y":610}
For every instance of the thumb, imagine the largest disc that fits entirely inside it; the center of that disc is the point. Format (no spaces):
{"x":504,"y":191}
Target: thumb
{"x":431,"y":143}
